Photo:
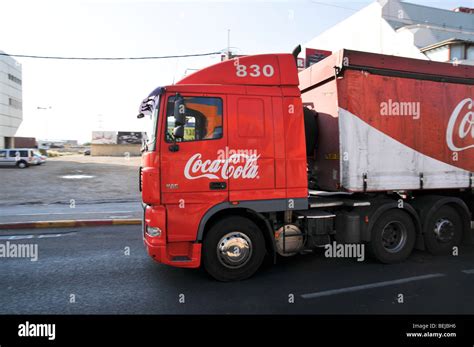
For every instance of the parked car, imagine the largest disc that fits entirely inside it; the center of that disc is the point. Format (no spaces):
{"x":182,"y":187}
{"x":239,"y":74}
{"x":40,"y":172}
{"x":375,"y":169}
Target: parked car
{"x":87,"y":152}
{"x":19,"y":157}
{"x":39,"y":158}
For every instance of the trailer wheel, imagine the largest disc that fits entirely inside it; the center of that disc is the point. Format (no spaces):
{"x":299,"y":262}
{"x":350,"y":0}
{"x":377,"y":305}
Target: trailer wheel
{"x":393,"y":237}
{"x":443,"y":231}
{"x":233,"y":249}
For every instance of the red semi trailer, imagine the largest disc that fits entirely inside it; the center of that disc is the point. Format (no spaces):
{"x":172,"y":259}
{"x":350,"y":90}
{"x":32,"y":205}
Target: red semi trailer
{"x":246,"y":158}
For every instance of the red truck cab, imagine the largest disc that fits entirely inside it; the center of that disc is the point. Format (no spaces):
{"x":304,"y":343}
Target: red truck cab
{"x":242,"y":148}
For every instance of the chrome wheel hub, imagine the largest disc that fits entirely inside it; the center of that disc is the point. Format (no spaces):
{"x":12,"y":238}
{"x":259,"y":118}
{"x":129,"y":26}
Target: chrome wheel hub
{"x":234,"y":250}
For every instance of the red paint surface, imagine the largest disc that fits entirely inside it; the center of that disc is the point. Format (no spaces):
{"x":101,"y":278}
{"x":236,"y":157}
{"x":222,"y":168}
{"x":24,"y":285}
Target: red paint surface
{"x":363,"y":95}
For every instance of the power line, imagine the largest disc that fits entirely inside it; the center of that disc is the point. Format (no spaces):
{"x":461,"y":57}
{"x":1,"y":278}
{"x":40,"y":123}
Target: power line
{"x":333,"y":5}
{"x":109,"y":58}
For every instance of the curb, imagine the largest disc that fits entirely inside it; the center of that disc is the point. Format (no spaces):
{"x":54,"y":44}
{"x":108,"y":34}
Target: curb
{"x":69,"y":223}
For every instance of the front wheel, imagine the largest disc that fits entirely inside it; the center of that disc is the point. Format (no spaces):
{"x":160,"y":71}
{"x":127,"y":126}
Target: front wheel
{"x":393,"y":237}
{"x":233,"y":249}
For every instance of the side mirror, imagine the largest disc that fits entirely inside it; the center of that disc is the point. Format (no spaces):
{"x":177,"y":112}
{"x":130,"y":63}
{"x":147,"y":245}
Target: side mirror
{"x":179,"y":111}
{"x":146,"y":107}
{"x":178,"y":132}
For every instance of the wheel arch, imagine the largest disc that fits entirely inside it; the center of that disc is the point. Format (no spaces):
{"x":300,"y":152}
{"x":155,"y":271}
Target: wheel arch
{"x":224,"y":210}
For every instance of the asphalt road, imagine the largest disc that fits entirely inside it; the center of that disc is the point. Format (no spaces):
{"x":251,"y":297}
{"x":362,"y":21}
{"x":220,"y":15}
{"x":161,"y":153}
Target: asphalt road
{"x":87,"y":271}
{"x":79,"y":211}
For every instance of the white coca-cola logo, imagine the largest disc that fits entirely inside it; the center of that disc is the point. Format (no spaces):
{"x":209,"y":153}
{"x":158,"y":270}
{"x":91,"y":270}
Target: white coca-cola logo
{"x":466,"y":125}
{"x":237,"y":165}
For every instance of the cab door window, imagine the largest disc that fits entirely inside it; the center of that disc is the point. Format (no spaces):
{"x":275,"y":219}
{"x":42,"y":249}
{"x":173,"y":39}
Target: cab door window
{"x":203,"y":119}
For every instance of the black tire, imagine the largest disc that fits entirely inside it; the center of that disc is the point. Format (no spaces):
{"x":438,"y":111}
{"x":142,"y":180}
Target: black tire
{"x":443,"y":231}
{"x":393,"y":237}
{"x":22,"y":164}
{"x":240,"y":229}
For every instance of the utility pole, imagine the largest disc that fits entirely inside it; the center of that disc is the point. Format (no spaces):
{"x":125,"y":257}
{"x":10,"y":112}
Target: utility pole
{"x":229,"y":55}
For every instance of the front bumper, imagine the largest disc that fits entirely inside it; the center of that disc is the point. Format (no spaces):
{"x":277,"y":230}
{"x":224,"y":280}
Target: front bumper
{"x":185,"y":254}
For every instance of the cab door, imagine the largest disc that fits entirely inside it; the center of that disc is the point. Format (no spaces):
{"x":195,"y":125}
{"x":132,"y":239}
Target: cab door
{"x":191,"y":168}
{"x":251,"y":140}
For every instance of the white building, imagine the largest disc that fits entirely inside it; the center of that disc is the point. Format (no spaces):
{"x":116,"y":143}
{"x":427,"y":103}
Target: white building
{"x":11,"y":113}
{"x":399,"y":28}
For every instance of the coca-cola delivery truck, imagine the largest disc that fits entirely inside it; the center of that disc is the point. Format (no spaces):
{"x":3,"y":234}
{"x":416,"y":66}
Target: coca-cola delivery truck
{"x":248,"y":158}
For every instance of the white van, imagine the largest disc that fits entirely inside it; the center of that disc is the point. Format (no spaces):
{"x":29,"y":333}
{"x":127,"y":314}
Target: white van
{"x":19,"y":157}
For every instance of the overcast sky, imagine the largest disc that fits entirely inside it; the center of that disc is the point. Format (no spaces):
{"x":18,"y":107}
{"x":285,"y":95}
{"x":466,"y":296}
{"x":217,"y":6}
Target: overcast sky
{"x":81,"y":96}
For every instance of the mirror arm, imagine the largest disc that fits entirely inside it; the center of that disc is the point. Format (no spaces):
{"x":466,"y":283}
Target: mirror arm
{"x":174,"y":147}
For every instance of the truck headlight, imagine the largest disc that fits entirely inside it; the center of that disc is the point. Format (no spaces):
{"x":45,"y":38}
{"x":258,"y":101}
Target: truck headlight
{"x":153,"y":231}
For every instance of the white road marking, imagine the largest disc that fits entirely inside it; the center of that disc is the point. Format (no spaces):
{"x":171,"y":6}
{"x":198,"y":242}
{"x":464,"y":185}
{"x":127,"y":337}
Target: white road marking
{"x":76,"y":177}
{"x":49,"y":235}
{"x":27,"y":237}
{"x":469,"y":272}
{"x":369,"y":286}
{"x":19,"y":237}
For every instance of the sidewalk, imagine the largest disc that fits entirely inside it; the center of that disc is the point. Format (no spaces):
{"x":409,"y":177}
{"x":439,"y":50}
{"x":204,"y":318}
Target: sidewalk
{"x":61,"y":215}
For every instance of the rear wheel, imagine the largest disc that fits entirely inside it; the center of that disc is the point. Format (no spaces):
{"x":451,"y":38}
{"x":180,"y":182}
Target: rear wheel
{"x":233,"y":249}
{"x":393,"y":237}
{"x":443,"y":231}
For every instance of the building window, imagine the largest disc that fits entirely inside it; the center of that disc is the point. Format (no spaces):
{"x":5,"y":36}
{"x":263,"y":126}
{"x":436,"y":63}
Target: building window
{"x":470,"y":52}
{"x":14,"y":79}
{"x":15,"y":103}
{"x":457,"y":52}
